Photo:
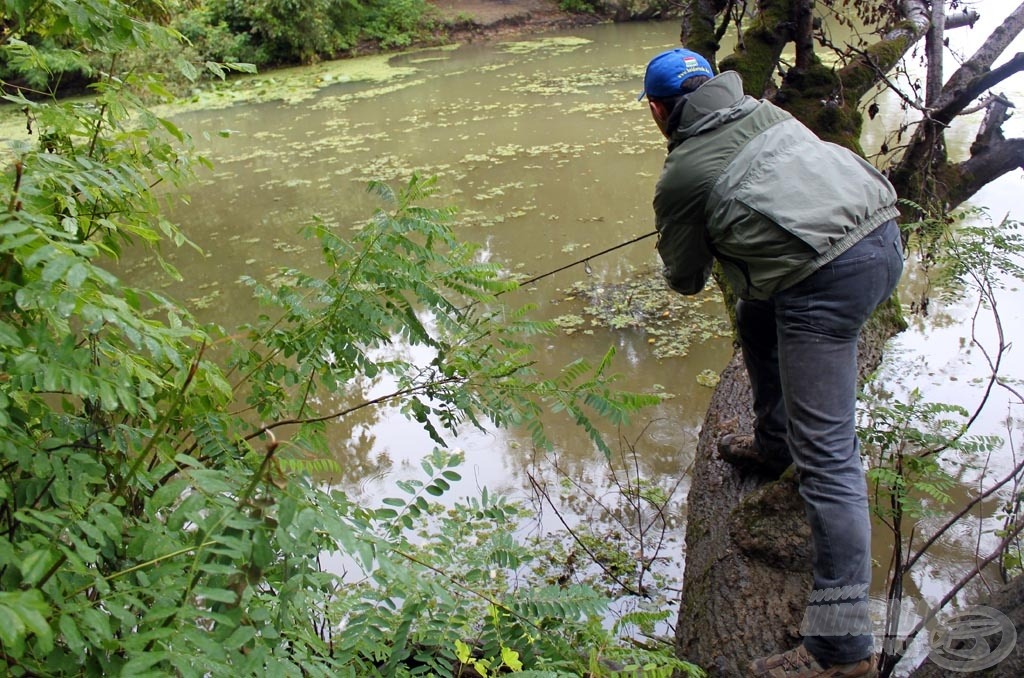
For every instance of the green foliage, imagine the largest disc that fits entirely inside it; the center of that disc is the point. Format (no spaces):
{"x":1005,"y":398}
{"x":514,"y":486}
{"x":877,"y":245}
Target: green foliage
{"x":580,"y":6}
{"x":150,"y":512}
{"x":52,"y":45}
{"x":57,"y":46}
{"x":208,"y":36}
{"x":967,"y":259}
{"x":398,"y":23}
{"x":980,"y":257}
{"x":43,"y":38}
{"x":965,"y":254}
{"x":1012,"y":562}
{"x":282,"y":31}
{"x":904,"y":440}
{"x":270,"y":32}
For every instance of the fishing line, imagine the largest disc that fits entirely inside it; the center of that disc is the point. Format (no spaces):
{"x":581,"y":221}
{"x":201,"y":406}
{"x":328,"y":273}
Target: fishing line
{"x":586,"y":260}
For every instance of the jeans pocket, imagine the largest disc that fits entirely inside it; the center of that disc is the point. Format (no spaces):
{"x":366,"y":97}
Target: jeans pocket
{"x":858,"y":254}
{"x":895,"y":265}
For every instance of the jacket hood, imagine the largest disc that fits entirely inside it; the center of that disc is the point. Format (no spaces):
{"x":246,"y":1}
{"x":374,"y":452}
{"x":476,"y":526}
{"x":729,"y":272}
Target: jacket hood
{"x":716,"y":102}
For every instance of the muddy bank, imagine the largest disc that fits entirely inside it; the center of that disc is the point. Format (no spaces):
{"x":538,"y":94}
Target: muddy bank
{"x":481,"y":20}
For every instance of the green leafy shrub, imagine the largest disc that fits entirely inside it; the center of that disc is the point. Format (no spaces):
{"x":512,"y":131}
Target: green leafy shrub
{"x":398,"y":23}
{"x":580,"y":6}
{"x":209,"y":37}
{"x":289,"y":31}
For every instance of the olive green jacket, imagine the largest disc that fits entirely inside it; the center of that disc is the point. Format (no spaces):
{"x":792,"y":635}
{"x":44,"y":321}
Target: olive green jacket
{"x":748,"y":184}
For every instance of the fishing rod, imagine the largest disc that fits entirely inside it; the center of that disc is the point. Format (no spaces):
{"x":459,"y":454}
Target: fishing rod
{"x":586,"y":260}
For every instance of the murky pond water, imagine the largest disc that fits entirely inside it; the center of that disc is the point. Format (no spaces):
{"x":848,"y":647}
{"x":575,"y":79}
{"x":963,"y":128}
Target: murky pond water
{"x":544,"y":150}
{"x":547,"y":155}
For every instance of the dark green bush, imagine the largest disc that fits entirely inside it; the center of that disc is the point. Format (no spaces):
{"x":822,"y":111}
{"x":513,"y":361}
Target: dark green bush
{"x":579,"y":6}
{"x":289,"y":31}
{"x":398,"y":23}
{"x":211,"y":38}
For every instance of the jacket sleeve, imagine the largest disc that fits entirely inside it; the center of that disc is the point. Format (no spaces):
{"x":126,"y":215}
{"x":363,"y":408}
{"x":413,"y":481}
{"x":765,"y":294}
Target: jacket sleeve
{"x":682,"y":238}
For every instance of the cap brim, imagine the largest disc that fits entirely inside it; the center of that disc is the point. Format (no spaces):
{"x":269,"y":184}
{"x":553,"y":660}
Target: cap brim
{"x":642,"y":95}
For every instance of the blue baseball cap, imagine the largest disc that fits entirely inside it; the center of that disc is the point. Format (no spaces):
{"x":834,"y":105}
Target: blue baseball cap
{"x":667,"y":72}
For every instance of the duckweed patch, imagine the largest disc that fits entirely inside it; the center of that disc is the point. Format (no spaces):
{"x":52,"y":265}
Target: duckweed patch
{"x":557,"y":153}
{"x":297,"y":84}
{"x":575,"y":83}
{"x":708,"y":378}
{"x":569,"y":323}
{"x":206,"y":301}
{"x":552,"y":45}
{"x":672,"y":322}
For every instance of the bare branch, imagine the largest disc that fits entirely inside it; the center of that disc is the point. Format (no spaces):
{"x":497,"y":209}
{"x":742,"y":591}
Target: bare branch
{"x":581,"y":543}
{"x":970,"y":176}
{"x":992,"y":156}
{"x":980,"y":63}
{"x":991,"y":130}
{"x":955,"y":100}
{"x":1013,"y":474}
{"x":985,"y":103}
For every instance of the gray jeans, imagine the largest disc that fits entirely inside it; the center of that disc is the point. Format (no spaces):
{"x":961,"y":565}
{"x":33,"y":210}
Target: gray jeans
{"x":800,"y":349}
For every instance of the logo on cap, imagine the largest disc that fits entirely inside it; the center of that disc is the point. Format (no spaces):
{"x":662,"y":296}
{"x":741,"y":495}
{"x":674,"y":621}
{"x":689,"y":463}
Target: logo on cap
{"x":667,"y":72}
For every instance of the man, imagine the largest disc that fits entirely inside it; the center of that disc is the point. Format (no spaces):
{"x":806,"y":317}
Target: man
{"x":806,"y":236}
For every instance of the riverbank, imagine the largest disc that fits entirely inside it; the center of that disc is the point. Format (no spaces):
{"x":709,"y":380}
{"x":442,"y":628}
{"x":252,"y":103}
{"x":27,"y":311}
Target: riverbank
{"x":481,"y":20}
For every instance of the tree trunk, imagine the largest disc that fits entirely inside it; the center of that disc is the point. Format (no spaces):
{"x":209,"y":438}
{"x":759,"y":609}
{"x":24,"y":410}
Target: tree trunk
{"x":747,"y":549}
{"x":748,"y":545}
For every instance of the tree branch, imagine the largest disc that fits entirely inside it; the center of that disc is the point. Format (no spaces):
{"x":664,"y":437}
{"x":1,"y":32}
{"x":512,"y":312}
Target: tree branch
{"x":966,"y":579}
{"x":862,"y":73}
{"x":968,"y":177}
{"x":992,"y":155}
{"x":697,"y":26}
{"x":954,"y":100}
{"x":995,"y":44}
{"x":916,"y":18}
{"x":924,"y":156}
{"x":939,"y":533}
{"x":764,"y":37}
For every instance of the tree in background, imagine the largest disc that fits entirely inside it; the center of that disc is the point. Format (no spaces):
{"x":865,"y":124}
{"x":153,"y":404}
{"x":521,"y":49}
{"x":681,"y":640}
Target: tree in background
{"x":746,"y":580}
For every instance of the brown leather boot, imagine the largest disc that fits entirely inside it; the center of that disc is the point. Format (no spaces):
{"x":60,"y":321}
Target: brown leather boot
{"x":740,"y":450}
{"x":799,"y":663}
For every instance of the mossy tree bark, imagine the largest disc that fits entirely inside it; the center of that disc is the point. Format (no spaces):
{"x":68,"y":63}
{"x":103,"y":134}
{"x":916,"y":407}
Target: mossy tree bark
{"x":747,"y":572}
